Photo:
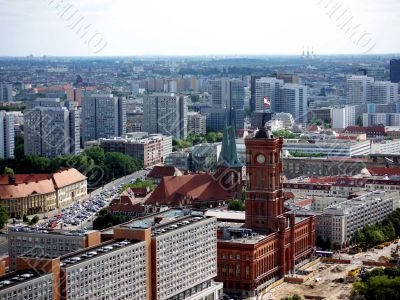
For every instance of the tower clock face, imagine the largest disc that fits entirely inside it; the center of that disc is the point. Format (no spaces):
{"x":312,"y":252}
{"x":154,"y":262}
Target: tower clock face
{"x":260,"y":158}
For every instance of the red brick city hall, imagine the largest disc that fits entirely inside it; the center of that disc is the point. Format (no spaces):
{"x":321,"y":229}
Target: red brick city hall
{"x":272,"y":242}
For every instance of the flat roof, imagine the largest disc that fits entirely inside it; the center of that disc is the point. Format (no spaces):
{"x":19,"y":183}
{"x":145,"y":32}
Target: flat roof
{"x":15,"y":278}
{"x":34,"y":230}
{"x":94,"y":252}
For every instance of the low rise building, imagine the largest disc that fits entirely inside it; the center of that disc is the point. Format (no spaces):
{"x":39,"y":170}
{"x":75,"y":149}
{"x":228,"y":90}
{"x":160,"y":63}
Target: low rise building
{"x":151,"y":149}
{"x":339,"y":222}
{"x":27,"y":194}
{"x":328,"y":148}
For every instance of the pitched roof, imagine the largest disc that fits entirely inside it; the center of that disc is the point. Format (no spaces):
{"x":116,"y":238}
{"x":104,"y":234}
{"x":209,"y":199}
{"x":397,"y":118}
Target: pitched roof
{"x":23,"y":185}
{"x":197,"y":187}
{"x":382,"y":171}
{"x":22,"y":190}
{"x":161,"y":171}
{"x":64,"y":177}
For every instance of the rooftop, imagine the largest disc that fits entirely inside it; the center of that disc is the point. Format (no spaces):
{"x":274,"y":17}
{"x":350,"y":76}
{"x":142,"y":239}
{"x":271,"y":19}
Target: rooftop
{"x":87,"y":254}
{"x":14,"y":278}
{"x":34,"y":230}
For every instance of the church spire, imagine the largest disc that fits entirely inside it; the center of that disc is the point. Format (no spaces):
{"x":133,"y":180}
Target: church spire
{"x":228,"y":157}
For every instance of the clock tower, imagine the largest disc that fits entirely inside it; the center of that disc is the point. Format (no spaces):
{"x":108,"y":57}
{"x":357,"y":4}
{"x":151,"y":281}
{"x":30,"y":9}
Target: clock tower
{"x":264,"y":195}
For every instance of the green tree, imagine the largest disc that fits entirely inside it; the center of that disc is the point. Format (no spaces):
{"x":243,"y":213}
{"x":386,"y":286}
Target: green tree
{"x":106,"y":220}
{"x":3,"y":217}
{"x":294,"y":297}
{"x":237,"y":205}
{"x":284,"y":133}
{"x":97,"y":154}
{"x":34,"y":220}
{"x":8,"y":171}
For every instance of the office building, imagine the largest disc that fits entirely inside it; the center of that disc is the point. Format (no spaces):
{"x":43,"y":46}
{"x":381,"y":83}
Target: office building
{"x":169,"y":255}
{"x":343,"y":117}
{"x":103,"y":116}
{"x":253,"y":101}
{"x":329,"y":148}
{"x":151,"y":149}
{"x":385,"y":119}
{"x":113,"y":270}
{"x":236,"y":102}
{"x":226,"y":93}
{"x":384,"y":92}
{"x":358,"y":89}
{"x":293,"y":100}
{"x":375,"y":72}
{"x":288,"y":78}
{"x":165,"y":114}
{"x":7,"y":135}
{"x":196,"y":123}
{"x":6,"y":90}
{"x":51,"y":128}
{"x":215,"y":118}
{"x":268,"y":87}
{"x":30,"y":241}
{"x":24,"y":284}
{"x":395,"y":70}
{"x":220,"y":92}
{"x":339,"y":222}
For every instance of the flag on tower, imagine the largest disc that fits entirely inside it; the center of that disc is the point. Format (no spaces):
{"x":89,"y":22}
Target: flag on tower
{"x":267,"y":103}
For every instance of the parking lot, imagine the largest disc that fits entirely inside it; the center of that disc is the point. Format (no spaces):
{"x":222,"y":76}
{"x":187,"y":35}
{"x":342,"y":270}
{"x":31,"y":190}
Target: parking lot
{"x":80,"y":215}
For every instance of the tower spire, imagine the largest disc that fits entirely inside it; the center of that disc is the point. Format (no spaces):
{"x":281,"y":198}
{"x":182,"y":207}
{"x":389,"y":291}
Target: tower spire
{"x":228,"y":157}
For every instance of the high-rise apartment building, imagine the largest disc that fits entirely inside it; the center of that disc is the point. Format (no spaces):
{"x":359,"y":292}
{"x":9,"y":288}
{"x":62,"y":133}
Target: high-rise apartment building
{"x":343,"y":117}
{"x":293,"y":100}
{"x":196,"y":123}
{"x":7,"y":135}
{"x":166,"y":114}
{"x":395,"y":70}
{"x":384,"y":92}
{"x":237,"y":95}
{"x":6,"y":92}
{"x":253,"y":80}
{"x":268,"y":87}
{"x":52,"y":128}
{"x":103,"y":116}
{"x":226,"y":93}
{"x":359,"y":89}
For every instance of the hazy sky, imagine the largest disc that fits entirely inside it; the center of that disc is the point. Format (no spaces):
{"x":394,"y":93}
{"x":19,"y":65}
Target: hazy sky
{"x":188,"y":27}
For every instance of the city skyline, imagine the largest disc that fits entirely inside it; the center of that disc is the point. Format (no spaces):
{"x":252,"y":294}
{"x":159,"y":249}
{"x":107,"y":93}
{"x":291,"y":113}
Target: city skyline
{"x":230,"y":28}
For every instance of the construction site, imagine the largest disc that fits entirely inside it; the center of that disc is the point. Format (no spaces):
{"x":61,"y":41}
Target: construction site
{"x":332,"y":278}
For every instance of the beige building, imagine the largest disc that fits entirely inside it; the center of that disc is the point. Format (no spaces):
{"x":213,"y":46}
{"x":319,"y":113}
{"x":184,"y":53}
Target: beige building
{"x":29,"y":194}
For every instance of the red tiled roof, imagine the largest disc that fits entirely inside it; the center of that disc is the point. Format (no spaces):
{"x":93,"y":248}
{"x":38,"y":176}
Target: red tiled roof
{"x":323,"y":180}
{"x":64,"y":177}
{"x":371,"y":130}
{"x":382,"y":171}
{"x":23,"y":185}
{"x":161,"y":171}
{"x":351,"y":182}
{"x":24,"y":178}
{"x":198,"y":188}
